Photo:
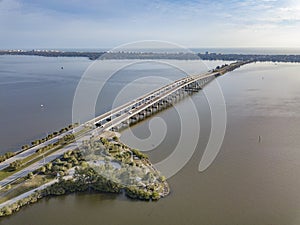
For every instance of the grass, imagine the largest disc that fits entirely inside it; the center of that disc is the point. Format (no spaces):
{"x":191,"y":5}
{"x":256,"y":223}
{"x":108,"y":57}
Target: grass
{"x":4,"y":174}
{"x":23,"y":187}
{"x":38,"y":156}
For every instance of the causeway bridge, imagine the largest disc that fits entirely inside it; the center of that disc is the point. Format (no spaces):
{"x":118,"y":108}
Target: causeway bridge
{"x":157,"y":100}
{"x":123,"y":116}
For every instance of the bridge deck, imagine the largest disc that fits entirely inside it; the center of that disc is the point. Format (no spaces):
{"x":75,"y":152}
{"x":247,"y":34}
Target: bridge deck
{"x":128,"y":110}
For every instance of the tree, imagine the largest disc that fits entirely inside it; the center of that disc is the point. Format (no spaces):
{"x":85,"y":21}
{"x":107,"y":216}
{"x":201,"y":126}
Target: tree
{"x":115,"y":138}
{"x":84,"y":164}
{"x":43,"y":169}
{"x":6,"y":156}
{"x":155,"y":195}
{"x":16,"y":164}
{"x":30,"y":175}
{"x":66,"y":155}
{"x":85,"y":176}
{"x":36,"y":142}
{"x":24,"y":147}
{"x":162,"y":178}
{"x":61,"y":173}
{"x":49,"y":166}
{"x":69,"y":165}
{"x":6,"y":211}
{"x":9,"y":154}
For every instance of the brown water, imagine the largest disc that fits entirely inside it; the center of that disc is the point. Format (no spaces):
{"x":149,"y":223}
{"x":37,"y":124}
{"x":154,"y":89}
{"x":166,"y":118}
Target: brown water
{"x":250,"y":182}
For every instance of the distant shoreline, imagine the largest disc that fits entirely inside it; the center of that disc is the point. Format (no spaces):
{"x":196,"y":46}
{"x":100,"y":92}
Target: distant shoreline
{"x":156,"y":56}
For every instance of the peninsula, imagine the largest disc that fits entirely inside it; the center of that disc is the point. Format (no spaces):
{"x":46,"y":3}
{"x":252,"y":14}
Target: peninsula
{"x":89,"y":157}
{"x":102,"y":164}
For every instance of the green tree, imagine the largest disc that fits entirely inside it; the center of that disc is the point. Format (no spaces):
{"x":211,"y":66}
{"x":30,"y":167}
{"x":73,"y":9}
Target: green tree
{"x":49,"y":166}
{"x":43,"y":169}
{"x":24,"y":147}
{"x":115,"y":138}
{"x":6,"y":211}
{"x":16,"y":164}
{"x":30,"y":175}
{"x":155,"y":195}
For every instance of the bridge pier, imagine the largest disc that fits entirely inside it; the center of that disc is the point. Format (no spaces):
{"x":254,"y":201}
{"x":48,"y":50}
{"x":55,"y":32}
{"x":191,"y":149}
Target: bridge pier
{"x":149,"y":110}
{"x":142,"y":115}
{"x":193,"y":87}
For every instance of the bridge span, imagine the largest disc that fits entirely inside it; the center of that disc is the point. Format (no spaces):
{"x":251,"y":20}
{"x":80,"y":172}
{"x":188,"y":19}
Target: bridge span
{"x":156,"y":100}
{"x":123,"y":116}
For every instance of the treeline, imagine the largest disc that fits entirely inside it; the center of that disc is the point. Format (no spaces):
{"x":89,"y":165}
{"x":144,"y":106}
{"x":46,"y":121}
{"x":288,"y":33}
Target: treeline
{"x":8,"y":210}
{"x":15,"y":165}
{"x":50,"y":136}
{"x":139,"y":154}
{"x":57,"y":167}
{"x":87,"y":180}
{"x":61,"y":165}
{"x":62,"y":141}
{"x":250,"y":57}
{"x":156,"y":55}
{"x":90,"y":55}
{"x":8,"y":155}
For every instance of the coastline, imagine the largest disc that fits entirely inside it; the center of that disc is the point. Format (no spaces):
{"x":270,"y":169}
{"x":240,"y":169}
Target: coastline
{"x":75,"y":179}
{"x":293,"y":58}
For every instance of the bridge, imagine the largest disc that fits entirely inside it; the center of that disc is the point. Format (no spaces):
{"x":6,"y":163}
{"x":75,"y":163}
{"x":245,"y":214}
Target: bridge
{"x":150,"y":103}
{"x":123,"y":116}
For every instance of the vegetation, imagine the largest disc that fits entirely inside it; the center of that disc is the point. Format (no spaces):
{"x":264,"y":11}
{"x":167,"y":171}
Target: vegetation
{"x":62,"y":141}
{"x":15,"y":165}
{"x":134,"y":172}
{"x":19,"y":164}
{"x":6,"y":156}
{"x":85,"y":179}
{"x":8,"y":210}
{"x":23,"y":185}
{"x":62,"y":165}
{"x":132,"y":177}
{"x":54,"y":134}
{"x":25,"y":147}
{"x":102,"y":165}
{"x":139,"y":154}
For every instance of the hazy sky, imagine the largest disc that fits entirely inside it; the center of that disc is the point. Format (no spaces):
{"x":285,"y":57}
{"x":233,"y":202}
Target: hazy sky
{"x":109,"y":23}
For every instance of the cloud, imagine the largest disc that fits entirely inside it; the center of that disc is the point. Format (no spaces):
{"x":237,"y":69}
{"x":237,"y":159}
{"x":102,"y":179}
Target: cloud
{"x":107,"y":23}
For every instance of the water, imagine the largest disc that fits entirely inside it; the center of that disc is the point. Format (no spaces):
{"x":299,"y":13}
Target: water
{"x":26,"y":83}
{"x":250,"y":182}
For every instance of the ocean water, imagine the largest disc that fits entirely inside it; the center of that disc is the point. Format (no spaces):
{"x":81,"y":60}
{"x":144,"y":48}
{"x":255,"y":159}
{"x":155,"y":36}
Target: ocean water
{"x":251,"y":181}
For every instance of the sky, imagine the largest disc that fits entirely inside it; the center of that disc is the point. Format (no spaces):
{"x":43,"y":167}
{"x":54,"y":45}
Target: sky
{"x":109,"y":23}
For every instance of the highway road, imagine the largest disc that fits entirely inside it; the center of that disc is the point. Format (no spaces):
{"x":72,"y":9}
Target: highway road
{"x":32,"y":150}
{"x":26,"y":194}
{"x":43,"y":161}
